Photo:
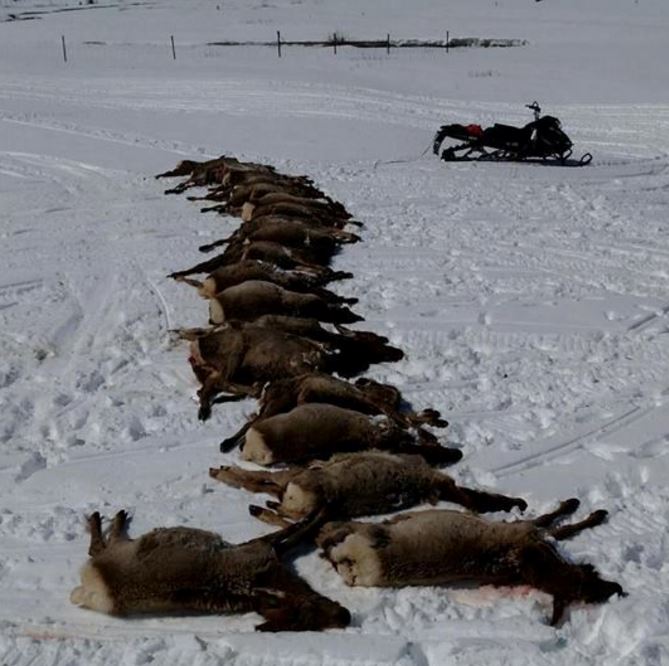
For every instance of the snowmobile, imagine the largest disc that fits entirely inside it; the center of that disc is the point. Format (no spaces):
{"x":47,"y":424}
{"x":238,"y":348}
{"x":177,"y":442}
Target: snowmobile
{"x":542,"y":139}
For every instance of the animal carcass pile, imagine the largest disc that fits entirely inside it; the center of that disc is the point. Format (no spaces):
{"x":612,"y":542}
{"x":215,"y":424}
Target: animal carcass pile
{"x":346,"y":448}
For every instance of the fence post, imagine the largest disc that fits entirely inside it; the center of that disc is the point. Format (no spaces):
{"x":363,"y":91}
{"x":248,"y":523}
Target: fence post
{"x":62,"y":39}
{"x":174,"y":52}
{"x":388,"y":44}
{"x":448,"y":40}
{"x":334,"y":42}
{"x":278,"y":42}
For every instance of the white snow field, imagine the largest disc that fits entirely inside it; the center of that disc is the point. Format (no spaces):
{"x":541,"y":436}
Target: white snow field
{"x":532,"y":302}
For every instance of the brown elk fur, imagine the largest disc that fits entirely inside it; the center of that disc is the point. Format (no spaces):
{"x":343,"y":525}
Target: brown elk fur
{"x":234,"y":274}
{"x":324,"y":241}
{"x":317,"y":430}
{"x":444,"y":547}
{"x":355,"y":351}
{"x":187,"y":167}
{"x":289,"y":258}
{"x":254,"y":191}
{"x":365,"y":396}
{"x":235,"y":179}
{"x":252,"y":299}
{"x":359,"y":484}
{"x":211,"y":171}
{"x":320,"y":206}
{"x":270,"y":254}
{"x":354,"y":345}
{"x":180,"y":569}
{"x":296,"y":211}
{"x":239,"y":359}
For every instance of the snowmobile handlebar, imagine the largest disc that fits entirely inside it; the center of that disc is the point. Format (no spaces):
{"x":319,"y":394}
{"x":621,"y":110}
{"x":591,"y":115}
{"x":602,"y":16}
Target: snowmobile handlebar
{"x":534,"y":107}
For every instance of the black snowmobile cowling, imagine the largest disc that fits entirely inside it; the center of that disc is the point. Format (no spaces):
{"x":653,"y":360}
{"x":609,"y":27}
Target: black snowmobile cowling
{"x":542,"y":139}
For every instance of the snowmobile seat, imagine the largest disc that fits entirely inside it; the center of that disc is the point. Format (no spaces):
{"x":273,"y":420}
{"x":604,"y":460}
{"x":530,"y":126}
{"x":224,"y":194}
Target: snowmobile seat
{"x":504,"y":136}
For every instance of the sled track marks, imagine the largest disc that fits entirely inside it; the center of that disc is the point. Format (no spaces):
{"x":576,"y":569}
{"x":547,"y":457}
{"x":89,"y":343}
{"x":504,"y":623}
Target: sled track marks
{"x":97,"y":134}
{"x":553,"y":451}
{"x":646,"y":322}
{"x":162,"y":303}
{"x":556,"y":451}
{"x":22,"y":285}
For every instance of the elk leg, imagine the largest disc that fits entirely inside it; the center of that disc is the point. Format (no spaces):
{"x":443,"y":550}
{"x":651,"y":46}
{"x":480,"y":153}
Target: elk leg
{"x":212,"y":246}
{"x":191,"y":282}
{"x":209,"y":389}
{"x":346,"y":236}
{"x":480,"y":501}
{"x":426,"y":437}
{"x":234,"y":397}
{"x":97,"y":544}
{"x":568,"y":531}
{"x":208,"y":266}
{"x":190,"y":334}
{"x":237,"y":439}
{"x":219,"y":208}
{"x":294,"y":533}
{"x":566,"y":508}
{"x":213,"y":385}
{"x":178,"y":189}
{"x":272,"y":483}
{"x":332,"y":276}
{"x":268,"y":516}
{"x":344,"y":300}
{"x":428,"y":417}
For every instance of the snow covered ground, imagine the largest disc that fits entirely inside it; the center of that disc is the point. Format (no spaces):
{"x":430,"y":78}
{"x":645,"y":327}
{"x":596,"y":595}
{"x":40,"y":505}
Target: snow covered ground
{"x":532,"y":302}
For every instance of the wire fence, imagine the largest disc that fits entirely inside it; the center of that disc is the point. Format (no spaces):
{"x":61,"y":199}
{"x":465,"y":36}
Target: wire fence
{"x":336,"y":42}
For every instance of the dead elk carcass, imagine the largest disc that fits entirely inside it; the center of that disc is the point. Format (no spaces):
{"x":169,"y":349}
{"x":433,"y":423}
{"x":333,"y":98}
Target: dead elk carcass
{"x":210,"y":172}
{"x":255,"y":298}
{"x":350,"y":485}
{"x":240,"y":359}
{"x":357,"y":350}
{"x":325,"y":206}
{"x":245,"y":181}
{"x":316,"y":431}
{"x":303,"y":211}
{"x":181,"y":569}
{"x":445,"y":547}
{"x":243,"y":271}
{"x":322,"y":242}
{"x":365,"y":395}
{"x":275,"y":254}
{"x":233,"y":197}
{"x":351,"y":352}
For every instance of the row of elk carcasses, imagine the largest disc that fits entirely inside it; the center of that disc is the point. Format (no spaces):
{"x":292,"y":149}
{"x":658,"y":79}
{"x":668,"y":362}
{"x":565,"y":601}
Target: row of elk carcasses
{"x":279,"y":334}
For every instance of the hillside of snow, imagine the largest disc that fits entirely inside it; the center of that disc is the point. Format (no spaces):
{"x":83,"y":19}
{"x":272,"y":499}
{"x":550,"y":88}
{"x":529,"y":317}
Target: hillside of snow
{"x":532,"y":302}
